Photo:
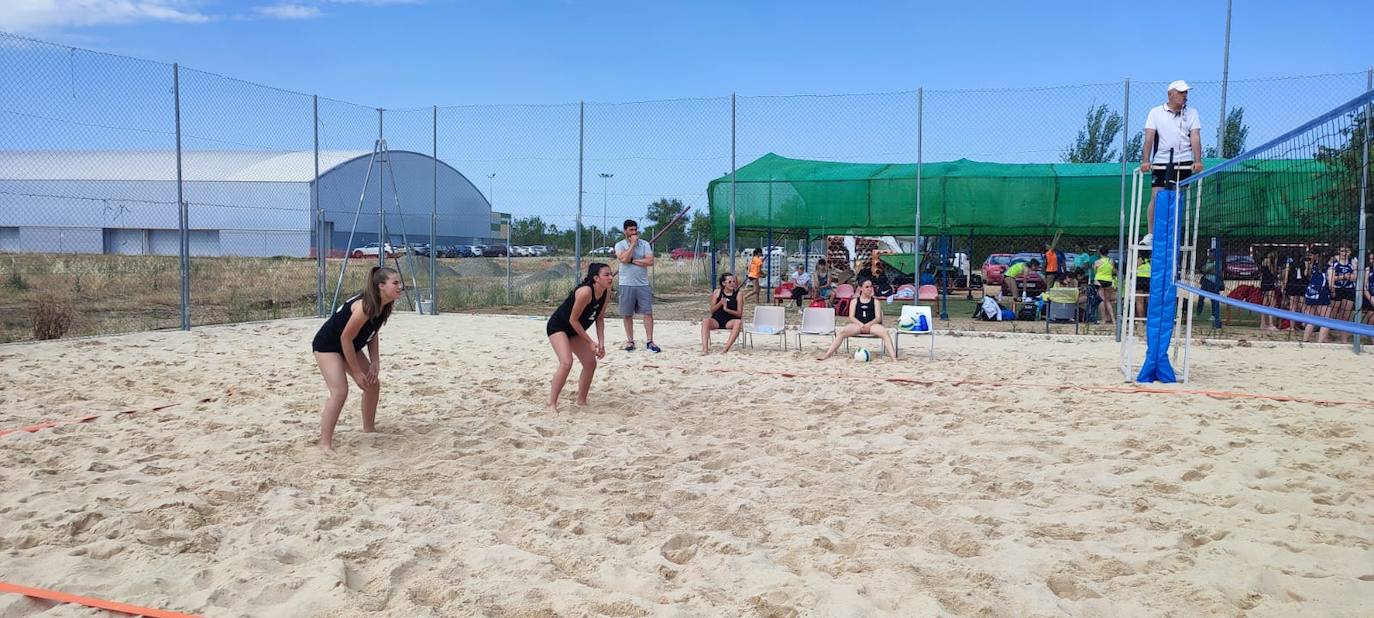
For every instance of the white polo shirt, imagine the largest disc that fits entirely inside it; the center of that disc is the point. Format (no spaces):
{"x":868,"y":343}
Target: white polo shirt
{"x":1173,"y":130}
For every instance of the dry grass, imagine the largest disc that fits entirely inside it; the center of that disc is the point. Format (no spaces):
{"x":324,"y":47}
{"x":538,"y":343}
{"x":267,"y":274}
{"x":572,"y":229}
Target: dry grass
{"x":101,"y":294}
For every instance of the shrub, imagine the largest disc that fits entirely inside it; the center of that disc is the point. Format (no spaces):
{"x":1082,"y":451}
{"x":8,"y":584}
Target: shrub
{"x":51,"y":318}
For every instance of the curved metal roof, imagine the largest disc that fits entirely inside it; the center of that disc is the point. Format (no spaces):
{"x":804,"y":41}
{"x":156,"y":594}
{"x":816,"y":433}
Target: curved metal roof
{"x":160,"y":165}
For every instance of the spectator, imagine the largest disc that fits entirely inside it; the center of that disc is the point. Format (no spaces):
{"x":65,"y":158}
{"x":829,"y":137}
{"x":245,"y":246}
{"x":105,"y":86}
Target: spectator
{"x":1142,"y":284}
{"x":756,"y":272}
{"x":727,"y":312}
{"x":635,"y":257}
{"x":1104,"y":272}
{"x":1269,"y":288}
{"x":865,"y":318}
{"x":1016,"y":277}
{"x":803,"y":284}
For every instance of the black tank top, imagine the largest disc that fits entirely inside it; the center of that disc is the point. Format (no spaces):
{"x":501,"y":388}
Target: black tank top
{"x":561,"y":318}
{"x":327,"y":338}
{"x":1295,"y":273}
{"x":731,"y":303}
{"x":865,"y":311}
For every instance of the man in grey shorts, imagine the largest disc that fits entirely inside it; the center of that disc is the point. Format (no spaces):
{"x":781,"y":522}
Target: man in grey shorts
{"x":635,"y":256}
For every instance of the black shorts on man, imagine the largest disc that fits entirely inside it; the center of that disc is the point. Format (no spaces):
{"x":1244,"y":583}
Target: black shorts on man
{"x":1162,"y":177}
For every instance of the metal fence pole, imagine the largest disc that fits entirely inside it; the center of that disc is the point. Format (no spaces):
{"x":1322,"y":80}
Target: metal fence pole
{"x":920,"y":145}
{"x":381,"y":216}
{"x":581,"y":146}
{"x":434,"y":217}
{"x":733,"y":164}
{"x":183,"y":216}
{"x":1362,"y":277}
{"x":321,"y":246}
{"x":1121,"y":229}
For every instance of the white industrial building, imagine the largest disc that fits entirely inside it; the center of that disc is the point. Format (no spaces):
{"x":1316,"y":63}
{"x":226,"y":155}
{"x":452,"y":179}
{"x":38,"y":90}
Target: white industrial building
{"x":247,"y":203}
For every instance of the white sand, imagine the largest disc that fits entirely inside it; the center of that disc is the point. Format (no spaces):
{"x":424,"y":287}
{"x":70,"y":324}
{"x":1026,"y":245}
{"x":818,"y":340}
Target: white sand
{"x":681,"y":491}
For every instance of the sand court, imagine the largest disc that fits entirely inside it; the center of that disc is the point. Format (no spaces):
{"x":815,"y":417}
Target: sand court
{"x":755,"y":483}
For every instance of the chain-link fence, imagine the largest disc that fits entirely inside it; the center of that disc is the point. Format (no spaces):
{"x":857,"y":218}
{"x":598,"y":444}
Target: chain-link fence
{"x":139,"y":195}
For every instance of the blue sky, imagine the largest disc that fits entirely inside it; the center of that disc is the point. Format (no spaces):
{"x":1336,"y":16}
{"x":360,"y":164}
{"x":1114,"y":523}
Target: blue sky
{"x":399,"y":53}
{"x":551,"y":54}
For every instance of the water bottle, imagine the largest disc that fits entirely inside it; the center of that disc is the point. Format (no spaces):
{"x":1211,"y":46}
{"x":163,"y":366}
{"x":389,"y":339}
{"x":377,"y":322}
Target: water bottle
{"x":921,"y":324}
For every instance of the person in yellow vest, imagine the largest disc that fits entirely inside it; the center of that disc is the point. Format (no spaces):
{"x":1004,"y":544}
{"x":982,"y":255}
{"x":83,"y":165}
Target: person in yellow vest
{"x":1142,"y":284}
{"x":1104,"y":272}
{"x":1015,"y":278}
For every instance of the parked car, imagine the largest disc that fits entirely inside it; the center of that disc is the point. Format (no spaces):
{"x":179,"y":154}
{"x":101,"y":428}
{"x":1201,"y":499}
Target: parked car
{"x":1240,"y":267}
{"x":683,"y":253}
{"x":601,"y":251}
{"x":521,"y":251}
{"x":370,"y":250}
{"x":494,"y":251}
{"x":420,"y":249}
{"x":775,"y":250}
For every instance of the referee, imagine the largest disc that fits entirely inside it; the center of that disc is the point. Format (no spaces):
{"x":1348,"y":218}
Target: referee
{"x":1170,"y":128}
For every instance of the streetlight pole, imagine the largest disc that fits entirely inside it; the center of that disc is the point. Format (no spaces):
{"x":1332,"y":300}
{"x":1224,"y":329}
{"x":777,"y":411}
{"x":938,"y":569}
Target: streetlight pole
{"x":605,"y":184}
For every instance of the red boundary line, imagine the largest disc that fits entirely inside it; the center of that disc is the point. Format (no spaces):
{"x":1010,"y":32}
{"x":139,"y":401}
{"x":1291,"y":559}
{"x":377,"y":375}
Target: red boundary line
{"x":62,"y":597}
{"x":84,"y":419}
{"x":1151,"y":390}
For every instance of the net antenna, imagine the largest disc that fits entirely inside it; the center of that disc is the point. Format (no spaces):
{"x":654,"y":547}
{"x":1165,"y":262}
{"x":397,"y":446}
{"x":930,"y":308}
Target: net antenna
{"x":380,"y":160}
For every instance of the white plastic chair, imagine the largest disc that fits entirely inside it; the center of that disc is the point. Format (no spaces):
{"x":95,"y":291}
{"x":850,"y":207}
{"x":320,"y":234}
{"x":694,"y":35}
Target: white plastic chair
{"x":768,"y":320}
{"x":914,"y":312}
{"x":818,"y":321}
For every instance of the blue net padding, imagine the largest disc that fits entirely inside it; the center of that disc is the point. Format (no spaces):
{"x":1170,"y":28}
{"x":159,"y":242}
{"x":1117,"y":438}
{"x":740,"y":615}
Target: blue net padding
{"x":1159,"y":322}
{"x":1354,"y":328}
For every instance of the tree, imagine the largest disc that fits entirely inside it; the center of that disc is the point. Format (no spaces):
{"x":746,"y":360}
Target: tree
{"x":1134,"y":146}
{"x":1095,"y":139}
{"x":1233,"y":137}
{"x":700,"y":227}
{"x":660,"y":213}
{"x":529,"y":231}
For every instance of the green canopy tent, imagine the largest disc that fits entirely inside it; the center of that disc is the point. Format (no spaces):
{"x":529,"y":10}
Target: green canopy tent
{"x":814,"y":198}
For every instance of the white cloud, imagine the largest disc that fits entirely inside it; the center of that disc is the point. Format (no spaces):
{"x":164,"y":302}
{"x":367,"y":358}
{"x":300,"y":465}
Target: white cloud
{"x":29,"y":16}
{"x":47,"y":16}
{"x":287,"y":11}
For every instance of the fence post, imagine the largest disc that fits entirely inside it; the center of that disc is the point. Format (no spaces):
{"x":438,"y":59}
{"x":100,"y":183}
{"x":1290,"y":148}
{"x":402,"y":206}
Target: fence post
{"x":1362,"y":278}
{"x":183,"y":216}
{"x":944,"y":277}
{"x":383,"y":238}
{"x":733,"y":165}
{"x":581,"y":145}
{"x":1220,"y":274}
{"x":920,"y":142}
{"x":1121,"y":229}
{"x":434,"y":217}
{"x":321,"y":245}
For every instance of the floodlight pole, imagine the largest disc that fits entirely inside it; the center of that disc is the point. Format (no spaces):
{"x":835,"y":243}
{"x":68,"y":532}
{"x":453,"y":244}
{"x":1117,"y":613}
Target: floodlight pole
{"x":1225,"y":79}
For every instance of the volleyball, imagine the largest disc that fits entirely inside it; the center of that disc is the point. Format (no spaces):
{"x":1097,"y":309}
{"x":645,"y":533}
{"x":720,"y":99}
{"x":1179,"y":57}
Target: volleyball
{"x":862,"y":355}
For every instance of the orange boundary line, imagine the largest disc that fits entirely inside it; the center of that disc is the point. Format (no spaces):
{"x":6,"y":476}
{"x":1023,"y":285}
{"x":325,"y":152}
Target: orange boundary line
{"x":62,"y":597}
{"x":1102,"y":388}
{"x":84,"y":419}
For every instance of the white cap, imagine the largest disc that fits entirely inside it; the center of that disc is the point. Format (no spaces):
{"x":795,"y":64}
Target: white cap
{"x":1178,"y":85}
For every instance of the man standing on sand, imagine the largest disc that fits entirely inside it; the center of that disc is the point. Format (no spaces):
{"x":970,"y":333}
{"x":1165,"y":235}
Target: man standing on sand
{"x":635,"y":257}
{"x":1170,"y":128}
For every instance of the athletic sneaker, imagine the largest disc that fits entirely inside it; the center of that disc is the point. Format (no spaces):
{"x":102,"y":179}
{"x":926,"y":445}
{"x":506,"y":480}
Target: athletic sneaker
{"x":1147,"y":239}
{"x":652,"y":347}
{"x":630,"y":347}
